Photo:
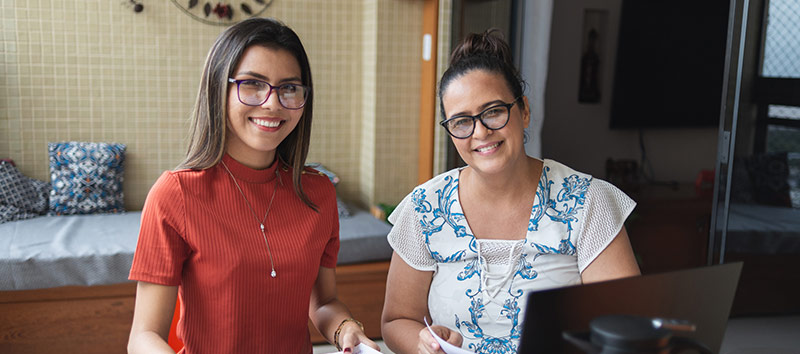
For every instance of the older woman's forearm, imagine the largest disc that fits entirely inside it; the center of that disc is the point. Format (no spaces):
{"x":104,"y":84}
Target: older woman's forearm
{"x":402,"y":334}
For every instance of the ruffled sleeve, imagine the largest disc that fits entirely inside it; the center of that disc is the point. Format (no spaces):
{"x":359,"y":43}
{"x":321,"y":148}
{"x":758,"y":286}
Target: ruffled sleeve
{"x":607,"y":207}
{"x":406,"y":237}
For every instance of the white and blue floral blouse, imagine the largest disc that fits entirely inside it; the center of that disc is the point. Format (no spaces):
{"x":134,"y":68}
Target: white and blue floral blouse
{"x":479,"y":286}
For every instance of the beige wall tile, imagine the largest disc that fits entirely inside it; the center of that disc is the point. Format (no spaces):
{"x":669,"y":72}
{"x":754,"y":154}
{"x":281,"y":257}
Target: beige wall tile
{"x":94,"y":70}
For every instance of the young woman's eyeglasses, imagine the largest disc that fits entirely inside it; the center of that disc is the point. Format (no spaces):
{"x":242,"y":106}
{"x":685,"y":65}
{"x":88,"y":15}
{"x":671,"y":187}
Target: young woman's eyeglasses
{"x":253,"y":92}
{"x":493,"y":118}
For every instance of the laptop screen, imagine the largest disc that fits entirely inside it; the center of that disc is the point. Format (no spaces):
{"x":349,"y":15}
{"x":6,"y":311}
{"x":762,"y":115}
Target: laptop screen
{"x":702,"y":296}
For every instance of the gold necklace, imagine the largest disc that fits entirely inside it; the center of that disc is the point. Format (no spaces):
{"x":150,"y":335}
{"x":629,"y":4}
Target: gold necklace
{"x":260,"y":223}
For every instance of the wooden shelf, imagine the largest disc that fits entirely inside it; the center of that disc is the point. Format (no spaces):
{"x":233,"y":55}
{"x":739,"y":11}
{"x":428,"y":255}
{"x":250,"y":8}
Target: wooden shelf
{"x":97,"y":319}
{"x":70,"y":319}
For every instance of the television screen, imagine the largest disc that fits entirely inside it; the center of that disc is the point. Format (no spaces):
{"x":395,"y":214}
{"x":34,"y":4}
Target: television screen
{"x":670,"y":64}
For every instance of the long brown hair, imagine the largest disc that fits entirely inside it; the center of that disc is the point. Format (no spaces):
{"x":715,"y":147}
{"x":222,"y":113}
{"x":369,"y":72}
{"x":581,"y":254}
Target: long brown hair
{"x":208,"y":128}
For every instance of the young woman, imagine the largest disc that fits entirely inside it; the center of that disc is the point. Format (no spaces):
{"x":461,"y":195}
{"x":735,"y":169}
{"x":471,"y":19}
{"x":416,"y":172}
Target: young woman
{"x":244,"y":234}
{"x":472,"y":242}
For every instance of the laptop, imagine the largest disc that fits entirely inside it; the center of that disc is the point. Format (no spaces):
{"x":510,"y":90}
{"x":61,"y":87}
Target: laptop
{"x":702,"y":296}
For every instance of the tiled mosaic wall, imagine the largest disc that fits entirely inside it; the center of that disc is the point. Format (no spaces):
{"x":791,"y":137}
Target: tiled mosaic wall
{"x":397,"y":105}
{"x":93,"y":70}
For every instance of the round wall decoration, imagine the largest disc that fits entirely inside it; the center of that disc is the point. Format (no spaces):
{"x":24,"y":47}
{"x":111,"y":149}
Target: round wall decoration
{"x":224,"y":12}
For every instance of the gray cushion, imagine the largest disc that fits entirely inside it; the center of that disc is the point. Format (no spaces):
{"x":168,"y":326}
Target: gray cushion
{"x":51,"y":251}
{"x":362,"y":238}
{"x":344,"y":210}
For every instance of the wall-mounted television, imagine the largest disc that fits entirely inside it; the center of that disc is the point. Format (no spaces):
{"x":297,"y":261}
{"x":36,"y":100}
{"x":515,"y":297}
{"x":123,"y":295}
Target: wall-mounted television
{"x":670,"y":64}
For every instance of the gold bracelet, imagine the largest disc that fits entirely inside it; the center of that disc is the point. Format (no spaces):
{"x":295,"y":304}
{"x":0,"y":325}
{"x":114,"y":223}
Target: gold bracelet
{"x":339,"y":330}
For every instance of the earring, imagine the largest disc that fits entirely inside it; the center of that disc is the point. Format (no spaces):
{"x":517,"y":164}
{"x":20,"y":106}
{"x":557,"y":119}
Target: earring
{"x":137,"y":6}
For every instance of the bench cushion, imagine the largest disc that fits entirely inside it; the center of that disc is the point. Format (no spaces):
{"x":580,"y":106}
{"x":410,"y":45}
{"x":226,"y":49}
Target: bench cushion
{"x":362,"y":238}
{"x":97,"y":249}
{"x":51,"y":251}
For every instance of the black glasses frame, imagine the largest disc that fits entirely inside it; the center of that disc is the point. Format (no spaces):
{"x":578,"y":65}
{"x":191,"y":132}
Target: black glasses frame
{"x":478,"y":116}
{"x":271,"y":88}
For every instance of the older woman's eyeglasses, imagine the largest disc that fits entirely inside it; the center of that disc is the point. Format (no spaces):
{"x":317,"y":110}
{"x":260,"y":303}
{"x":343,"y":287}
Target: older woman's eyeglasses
{"x":253,"y":92}
{"x":493,"y":118}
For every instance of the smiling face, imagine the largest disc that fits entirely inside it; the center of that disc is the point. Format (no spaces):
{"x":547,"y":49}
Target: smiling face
{"x":487,"y":151}
{"x":254,"y":132}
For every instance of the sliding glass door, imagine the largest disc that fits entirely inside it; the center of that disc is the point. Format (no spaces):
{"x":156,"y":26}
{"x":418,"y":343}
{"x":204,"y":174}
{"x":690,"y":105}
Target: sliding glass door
{"x":756,"y":214}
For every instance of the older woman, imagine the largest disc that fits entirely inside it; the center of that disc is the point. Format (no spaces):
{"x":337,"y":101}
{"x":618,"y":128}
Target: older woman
{"x":470,"y":243}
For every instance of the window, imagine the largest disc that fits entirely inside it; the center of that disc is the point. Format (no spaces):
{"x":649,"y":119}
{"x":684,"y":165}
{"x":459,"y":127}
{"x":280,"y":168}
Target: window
{"x":782,"y":40}
{"x":782,"y":136}
{"x":778,"y":85}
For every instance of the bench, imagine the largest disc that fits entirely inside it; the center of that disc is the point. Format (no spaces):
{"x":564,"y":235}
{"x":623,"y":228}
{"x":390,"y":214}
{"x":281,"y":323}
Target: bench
{"x":63,"y":280}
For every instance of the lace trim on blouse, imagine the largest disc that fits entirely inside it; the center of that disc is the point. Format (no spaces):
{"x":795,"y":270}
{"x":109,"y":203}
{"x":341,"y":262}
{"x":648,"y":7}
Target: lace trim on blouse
{"x":607,"y":209}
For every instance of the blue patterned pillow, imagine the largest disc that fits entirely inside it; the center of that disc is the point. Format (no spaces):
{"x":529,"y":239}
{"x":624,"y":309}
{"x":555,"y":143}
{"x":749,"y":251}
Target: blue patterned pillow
{"x":769,"y":173}
{"x":21,"y":197}
{"x":793,"y":158}
{"x":86,"y":178}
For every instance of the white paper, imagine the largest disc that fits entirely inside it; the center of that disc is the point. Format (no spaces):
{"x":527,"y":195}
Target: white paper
{"x":446,"y":347}
{"x":361,"y":349}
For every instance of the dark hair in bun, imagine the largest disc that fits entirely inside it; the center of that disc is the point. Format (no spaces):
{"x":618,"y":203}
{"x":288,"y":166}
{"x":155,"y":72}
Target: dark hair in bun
{"x":485,"y":51}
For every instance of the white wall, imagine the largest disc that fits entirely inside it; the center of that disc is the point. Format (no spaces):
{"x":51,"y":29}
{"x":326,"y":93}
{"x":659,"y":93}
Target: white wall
{"x":578,"y":134}
{"x":533,"y":66}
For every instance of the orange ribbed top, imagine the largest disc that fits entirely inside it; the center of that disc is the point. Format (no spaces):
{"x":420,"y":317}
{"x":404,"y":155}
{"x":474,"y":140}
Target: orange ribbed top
{"x":197,"y":232}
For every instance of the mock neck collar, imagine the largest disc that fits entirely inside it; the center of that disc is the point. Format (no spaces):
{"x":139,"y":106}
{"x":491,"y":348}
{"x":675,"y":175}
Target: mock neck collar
{"x":248,"y":174}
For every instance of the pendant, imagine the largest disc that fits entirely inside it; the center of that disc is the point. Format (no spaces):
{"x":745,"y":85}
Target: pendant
{"x":273,"y":274}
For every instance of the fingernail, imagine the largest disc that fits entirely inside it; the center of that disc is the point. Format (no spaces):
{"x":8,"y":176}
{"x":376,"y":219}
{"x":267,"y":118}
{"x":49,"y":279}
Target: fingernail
{"x":347,"y":350}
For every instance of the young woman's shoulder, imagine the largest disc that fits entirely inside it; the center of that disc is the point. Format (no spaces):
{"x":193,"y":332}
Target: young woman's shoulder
{"x":171,"y":184}
{"x":316,"y":178}
{"x":167,"y":185}
{"x":165,"y":197}
{"x":318,"y":186}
